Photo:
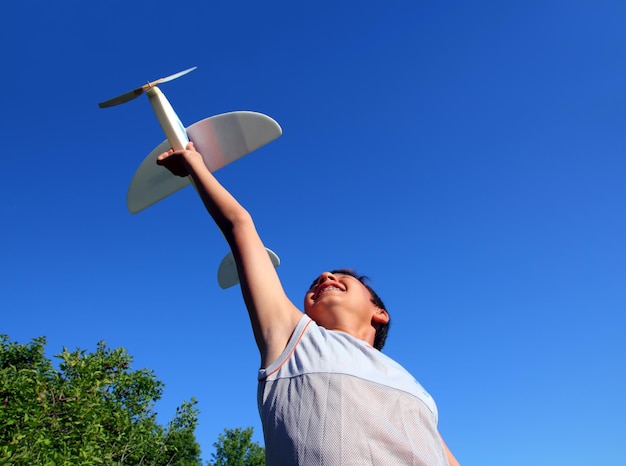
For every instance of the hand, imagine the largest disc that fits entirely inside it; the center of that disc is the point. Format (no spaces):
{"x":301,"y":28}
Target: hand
{"x":178,"y":162}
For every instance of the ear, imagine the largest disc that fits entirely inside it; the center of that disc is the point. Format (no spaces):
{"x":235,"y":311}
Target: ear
{"x":380,"y":316}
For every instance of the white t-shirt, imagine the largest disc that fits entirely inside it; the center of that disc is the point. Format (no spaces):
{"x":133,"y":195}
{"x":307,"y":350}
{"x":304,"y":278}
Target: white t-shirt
{"x":332,"y":399}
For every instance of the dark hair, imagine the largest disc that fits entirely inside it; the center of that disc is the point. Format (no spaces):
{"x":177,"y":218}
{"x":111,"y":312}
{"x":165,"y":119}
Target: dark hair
{"x":381,"y":329}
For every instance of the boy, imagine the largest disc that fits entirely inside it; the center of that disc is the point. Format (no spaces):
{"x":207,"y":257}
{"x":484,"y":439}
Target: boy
{"x":326,"y":395}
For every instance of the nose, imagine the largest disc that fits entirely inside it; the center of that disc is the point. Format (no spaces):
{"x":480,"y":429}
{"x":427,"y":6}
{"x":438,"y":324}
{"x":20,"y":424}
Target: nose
{"x":326,"y":276}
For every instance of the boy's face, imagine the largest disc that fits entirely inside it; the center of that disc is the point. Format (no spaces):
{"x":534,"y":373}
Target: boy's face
{"x":336,"y":299}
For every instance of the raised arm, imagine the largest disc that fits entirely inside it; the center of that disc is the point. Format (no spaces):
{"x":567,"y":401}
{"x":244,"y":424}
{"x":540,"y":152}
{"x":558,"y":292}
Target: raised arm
{"x":272,"y":314}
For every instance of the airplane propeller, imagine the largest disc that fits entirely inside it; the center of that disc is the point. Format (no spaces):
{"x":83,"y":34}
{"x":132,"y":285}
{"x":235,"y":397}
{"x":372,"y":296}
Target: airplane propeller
{"x":120,"y":99}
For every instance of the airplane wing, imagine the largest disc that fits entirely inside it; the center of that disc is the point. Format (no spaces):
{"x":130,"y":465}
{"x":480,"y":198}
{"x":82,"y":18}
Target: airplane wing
{"x":221,"y":139}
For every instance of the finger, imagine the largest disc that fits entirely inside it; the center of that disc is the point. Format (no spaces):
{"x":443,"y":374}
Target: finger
{"x":190,"y":146}
{"x":165,"y":155}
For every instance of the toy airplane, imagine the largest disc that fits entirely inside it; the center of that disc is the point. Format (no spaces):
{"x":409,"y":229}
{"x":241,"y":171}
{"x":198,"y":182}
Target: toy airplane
{"x":220,"y":139}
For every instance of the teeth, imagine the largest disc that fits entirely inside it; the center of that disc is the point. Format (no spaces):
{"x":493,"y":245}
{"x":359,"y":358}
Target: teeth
{"x":324,"y":290}
{"x":331,"y":288}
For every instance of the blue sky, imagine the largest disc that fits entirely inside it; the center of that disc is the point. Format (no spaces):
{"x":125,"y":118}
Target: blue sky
{"x":467,"y":156}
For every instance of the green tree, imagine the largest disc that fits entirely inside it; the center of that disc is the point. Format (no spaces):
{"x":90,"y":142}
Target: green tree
{"x":235,"y":448}
{"x":93,"y":410}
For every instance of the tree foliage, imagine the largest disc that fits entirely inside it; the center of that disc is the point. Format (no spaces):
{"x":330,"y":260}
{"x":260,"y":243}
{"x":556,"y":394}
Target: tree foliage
{"x":235,"y":448}
{"x":91,"y":410}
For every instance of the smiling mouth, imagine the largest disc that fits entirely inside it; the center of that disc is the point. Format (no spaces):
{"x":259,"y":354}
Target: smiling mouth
{"x":325,"y":289}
